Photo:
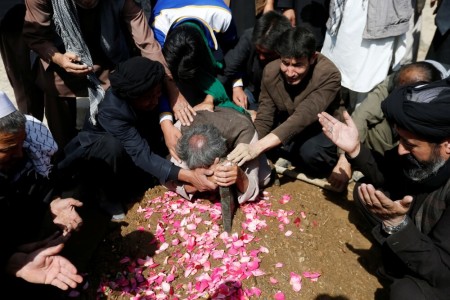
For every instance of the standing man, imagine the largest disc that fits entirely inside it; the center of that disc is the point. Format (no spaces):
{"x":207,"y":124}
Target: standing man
{"x":79,"y":42}
{"x":294,"y":89}
{"x":406,"y":196}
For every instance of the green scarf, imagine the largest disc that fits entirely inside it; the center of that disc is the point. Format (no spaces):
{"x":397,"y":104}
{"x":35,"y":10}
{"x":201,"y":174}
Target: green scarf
{"x":209,"y":84}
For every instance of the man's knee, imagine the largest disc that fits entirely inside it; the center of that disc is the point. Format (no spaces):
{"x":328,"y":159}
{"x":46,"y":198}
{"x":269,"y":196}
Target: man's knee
{"x":107,"y":149}
{"x":317,"y":157}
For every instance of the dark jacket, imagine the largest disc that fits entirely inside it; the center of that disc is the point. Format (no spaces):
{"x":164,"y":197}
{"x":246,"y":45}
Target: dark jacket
{"x":242,"y":62}
{"x":118,"y":119}
{"x":422,"y":249}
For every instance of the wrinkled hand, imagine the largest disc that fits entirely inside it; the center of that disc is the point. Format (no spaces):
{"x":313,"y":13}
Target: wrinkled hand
{"x":240,"y":97}
{"x":207,"y":104}
{"x":183,"y":111}
{"x":199,"y":179}
{"x":44,"y":266}
{"x":381,"y":206}
{"x":171,"y":136}
{"x":345,"y":136}
{"x":341,"y":174}
{"x":71,"y":63}
{"x":65,"y":214}
{"x":242,"y":153}
{"x":226,"y":173}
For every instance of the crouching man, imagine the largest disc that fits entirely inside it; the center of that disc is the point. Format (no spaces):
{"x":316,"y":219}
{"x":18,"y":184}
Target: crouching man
{"x":211,"y":136}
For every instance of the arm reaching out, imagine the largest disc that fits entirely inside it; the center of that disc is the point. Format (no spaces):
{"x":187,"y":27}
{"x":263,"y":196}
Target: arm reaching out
{"x":44,"y":266}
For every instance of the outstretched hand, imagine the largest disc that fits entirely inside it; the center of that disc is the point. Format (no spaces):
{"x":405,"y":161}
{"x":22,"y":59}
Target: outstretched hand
{"x":344,"y":135}
{"x":44,"y":266}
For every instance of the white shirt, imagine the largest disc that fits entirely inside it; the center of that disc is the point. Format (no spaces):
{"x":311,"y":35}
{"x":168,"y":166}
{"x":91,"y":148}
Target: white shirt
{"x":363,"y":63}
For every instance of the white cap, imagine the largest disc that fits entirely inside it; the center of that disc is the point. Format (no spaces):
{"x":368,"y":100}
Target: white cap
{"x":6,"y":106}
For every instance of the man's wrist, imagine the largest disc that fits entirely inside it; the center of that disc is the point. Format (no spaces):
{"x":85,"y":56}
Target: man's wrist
{"x":354,"y":153}
{"x":391,"y":227}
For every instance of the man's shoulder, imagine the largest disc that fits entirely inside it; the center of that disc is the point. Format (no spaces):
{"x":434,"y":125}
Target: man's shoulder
{"x":325,"y":66}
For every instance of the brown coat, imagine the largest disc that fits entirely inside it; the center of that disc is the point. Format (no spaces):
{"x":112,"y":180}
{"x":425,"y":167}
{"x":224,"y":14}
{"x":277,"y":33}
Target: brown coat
{"x":284,"y":117}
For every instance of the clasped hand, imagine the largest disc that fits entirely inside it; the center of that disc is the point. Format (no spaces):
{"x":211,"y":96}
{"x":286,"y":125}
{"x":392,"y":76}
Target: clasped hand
{"x":389,"y":211}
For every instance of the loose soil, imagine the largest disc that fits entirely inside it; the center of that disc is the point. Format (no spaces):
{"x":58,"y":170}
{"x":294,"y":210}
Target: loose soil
{"x":329,"y":237}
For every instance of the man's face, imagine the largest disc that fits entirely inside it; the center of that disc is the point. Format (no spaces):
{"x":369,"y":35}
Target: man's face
{"x":11,"y":146}
{"x":421,"y":158}
{"x":149,"y":100}
{"x":87,"y":4}
{"x":295,"y":69}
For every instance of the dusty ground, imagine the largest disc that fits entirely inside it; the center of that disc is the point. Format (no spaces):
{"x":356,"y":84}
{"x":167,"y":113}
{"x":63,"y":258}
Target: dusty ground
{"x":328,"y":237}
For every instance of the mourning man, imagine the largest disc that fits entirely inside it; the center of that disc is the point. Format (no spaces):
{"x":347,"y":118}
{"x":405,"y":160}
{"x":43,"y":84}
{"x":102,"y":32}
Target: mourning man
{"x":406,"y":196}
{"x":210,"y":137}
{"x":294,"y":89}
{"x":125,"y":145}
{"x":27,"y":196}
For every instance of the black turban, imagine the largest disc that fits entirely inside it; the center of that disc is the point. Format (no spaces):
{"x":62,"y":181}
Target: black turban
{"x":423,"y":110}
{"x":134,"y":77}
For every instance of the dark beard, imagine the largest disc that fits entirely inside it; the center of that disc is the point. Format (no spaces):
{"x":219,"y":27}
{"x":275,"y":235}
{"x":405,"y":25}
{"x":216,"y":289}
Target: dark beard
{"x":421,"y":170}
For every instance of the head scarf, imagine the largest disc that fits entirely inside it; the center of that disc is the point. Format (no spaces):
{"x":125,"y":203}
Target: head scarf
{"x":39,"y":145}
{"x":134,"y":77}
{"x":209,"y":83}
{"x":65,"y":17}
{"x":423,"y":110}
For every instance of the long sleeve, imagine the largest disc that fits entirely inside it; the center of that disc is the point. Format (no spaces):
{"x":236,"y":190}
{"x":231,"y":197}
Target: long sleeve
{"x":307,"y":110}
{"x":369,"y":112}
{"x":317,"y":91}
{"x":117,"y":118}
{"x":142,"y":34}
{"x":236,"y":59}
{"x":428,"y":256}
{"x":37,"y":31}
{"x":265,"y":117}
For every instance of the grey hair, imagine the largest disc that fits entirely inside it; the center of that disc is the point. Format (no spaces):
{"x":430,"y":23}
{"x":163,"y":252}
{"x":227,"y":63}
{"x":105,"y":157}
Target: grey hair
{"x":12,"y":123}
{"x":200,"y":145}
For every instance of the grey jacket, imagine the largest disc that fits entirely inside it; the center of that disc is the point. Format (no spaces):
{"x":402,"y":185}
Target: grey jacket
{"x":387,"y":18}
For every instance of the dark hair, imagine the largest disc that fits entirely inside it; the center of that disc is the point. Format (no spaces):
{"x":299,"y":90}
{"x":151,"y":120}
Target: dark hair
{"x":186,"y":53}
{"x":200,"y":145}
{"x":134,"y":77}
{"x":12,"y":123}
{"x":268,"y":29}
{"x":296,"y":42}
{"x":425,"y":72}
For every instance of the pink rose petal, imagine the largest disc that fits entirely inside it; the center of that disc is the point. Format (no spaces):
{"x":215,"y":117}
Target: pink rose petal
{"x":296,"y":282}
{"x":279,"y":296}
